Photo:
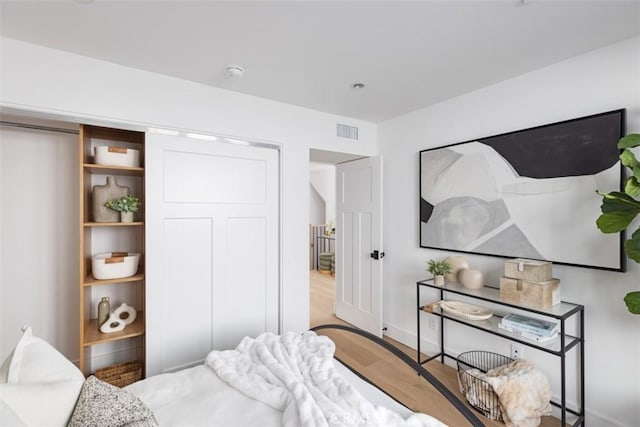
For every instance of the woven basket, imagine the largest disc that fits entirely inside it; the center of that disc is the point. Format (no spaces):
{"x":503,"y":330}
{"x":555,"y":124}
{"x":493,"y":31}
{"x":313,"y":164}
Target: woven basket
{"x":478,"y":392}
{"x":121,"y":375}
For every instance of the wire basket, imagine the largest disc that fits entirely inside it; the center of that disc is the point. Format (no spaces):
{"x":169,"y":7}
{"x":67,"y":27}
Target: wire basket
{"x":121,"y":375}
{"x":478,"y":392}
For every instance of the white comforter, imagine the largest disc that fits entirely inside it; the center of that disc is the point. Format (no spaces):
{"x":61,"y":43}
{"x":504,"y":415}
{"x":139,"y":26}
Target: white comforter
{"x":294,"y":373}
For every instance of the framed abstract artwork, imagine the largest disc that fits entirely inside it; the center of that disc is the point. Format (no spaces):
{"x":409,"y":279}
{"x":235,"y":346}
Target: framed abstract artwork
{"x":526,"y":194}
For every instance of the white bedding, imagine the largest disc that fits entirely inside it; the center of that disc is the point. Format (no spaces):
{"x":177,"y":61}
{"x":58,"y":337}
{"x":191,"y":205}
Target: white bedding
{"x":199,"y":397}
{"x":295,"y":373}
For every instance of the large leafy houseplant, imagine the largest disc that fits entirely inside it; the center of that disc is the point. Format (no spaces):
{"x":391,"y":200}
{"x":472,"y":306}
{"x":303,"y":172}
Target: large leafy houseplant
{"x":619,"y":209}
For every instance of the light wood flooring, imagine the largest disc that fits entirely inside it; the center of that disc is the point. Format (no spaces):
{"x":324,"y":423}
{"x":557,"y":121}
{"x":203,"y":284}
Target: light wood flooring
{"x":384,"y":369}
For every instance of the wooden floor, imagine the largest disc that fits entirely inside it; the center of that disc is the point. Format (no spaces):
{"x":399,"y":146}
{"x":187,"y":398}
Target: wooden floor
{"x":384,"y":369}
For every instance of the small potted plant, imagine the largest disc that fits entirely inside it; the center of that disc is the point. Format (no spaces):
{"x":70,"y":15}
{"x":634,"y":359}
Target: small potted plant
{"x":126,"y":205}
{"x":438,"y":269}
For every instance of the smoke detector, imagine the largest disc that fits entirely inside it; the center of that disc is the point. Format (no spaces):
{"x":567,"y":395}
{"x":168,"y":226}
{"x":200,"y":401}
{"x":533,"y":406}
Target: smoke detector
{"x":235,"y":71}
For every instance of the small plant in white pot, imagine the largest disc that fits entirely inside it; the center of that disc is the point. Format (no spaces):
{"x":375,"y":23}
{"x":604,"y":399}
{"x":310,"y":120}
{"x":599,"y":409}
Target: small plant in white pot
{"x":438,"y":269}
{"x":126,"y":205}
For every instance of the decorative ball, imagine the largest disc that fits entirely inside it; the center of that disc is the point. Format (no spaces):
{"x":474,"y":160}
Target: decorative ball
{"x":457,"y":263}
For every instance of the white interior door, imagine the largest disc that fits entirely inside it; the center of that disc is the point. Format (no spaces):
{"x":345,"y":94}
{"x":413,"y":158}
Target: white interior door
{"x":359,"y":235}
{"x":212,"y":247}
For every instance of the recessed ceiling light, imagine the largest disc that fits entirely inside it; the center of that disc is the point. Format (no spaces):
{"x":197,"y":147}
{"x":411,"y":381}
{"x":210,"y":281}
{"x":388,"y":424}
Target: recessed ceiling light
{"x":357,"y":86}
{"x":235,"y":71}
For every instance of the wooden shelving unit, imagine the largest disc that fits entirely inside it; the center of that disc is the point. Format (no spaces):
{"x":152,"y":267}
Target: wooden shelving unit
{"x":97,"y":237}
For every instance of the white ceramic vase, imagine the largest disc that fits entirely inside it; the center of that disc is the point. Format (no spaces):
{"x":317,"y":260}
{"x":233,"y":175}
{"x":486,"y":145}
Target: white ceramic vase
{"x":471,"y":279}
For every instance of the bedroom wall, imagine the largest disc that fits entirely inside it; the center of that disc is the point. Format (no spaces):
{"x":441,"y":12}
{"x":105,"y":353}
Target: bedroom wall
{"x":79,"y":89}
{"x":323,"y":178}
{"x":601,"y":80}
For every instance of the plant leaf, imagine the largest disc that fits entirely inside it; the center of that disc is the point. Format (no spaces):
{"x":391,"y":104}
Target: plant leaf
{"x":632,"y":186}
{"x":629,"y":141}
{"x":629,"y":159}
{"x":632,"y":246}
{"x":632,"y":299}
{"x":618,"y":210}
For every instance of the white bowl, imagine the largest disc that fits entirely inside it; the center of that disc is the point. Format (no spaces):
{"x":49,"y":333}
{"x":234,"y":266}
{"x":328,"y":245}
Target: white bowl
{"x":106,"y":266}
{"x":117,"y":156}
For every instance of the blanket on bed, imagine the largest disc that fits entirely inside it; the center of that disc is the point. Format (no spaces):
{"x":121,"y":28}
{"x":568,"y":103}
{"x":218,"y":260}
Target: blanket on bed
{"x":294,"y":373}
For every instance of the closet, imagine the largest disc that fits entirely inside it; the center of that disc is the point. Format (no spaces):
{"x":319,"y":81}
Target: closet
{"x":208,"y":233}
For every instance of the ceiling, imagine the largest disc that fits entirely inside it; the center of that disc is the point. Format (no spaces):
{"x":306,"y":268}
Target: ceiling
{"x":308,"y":53}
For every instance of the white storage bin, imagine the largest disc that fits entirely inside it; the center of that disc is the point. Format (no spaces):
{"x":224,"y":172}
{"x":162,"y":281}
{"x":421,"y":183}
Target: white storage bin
{"x":114,"y":265}
{"x":117,"y":156}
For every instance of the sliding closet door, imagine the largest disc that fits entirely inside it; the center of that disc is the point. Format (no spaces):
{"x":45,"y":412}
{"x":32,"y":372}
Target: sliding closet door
{"x":212,"y":247}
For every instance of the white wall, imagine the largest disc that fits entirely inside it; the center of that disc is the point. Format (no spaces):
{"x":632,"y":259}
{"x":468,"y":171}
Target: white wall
{"x":317,"y":205}
{"x":323,"y":179}
{"x":75,"y":88}
{"x":39,"y":240}
{"x":601,"y":80}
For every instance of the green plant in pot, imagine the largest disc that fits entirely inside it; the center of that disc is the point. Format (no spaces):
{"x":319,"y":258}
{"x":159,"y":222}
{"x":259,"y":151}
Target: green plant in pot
{"x":126,"y":205}
{"x":438,"y":269}
{"x":619,"y":209}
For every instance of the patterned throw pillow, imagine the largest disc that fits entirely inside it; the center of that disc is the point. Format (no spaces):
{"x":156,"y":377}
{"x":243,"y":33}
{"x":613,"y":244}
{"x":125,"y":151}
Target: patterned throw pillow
{"x":101,"y":404}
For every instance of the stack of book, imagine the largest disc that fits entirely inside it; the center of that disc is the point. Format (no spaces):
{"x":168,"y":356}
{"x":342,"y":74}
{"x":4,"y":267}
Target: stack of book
{"x":526,"y":327}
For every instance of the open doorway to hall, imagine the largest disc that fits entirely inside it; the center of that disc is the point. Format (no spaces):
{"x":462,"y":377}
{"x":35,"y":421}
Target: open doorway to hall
{"x":322,"y":242}
{"x":323,"y":238}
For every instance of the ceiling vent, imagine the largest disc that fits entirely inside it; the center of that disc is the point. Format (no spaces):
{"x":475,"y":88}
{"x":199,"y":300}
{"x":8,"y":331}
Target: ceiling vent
{"x":346,"y":131}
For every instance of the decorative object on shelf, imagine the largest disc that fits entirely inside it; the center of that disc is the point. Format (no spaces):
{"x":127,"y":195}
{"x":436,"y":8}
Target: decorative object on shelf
{"x":530,"y":294}
{"x":438,"y":269}
{"x":496,"y":212}
{"x":126,"y":313}
{"x":619,"y":210}
{"x":529,"y":283}
{"x":104,"y":309}
{"x":102,"y":194}
{"x":541,"y":327}
{"x":117,"y":156}
{"x":528,"y":269}
{"x":471,"y":278}
{"x":126,"y":205}
{"x":457,"y":263}
{"x":114,"y":265}
{"x":113,"y":324}
{"x":122,"y":374}
{"x":462,"y":309}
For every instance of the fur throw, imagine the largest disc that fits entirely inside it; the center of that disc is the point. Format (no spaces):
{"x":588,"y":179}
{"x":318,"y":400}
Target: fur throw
{"x":523,"y":392}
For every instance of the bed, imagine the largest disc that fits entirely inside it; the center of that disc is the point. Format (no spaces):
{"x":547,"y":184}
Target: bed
{"x":270,"y":380}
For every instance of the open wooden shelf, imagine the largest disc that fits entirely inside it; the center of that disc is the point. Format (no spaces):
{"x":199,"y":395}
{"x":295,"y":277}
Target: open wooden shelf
{"x":114,"y":224}
{"x":91,"y":281}
{"x":93,"y":336}
{"x":113,"y":170}
{"x":108,"y":236}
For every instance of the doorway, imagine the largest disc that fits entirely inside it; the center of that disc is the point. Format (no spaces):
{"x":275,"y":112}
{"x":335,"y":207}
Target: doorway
{"x":348,"y":243}
{"x":322,"y":242}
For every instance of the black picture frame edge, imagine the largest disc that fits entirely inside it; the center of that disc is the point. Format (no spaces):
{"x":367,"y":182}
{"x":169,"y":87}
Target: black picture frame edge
{"x":622,"y":234}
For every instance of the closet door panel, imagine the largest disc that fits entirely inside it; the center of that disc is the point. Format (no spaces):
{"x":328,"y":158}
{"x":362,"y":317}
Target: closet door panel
{"x":187,"y":269}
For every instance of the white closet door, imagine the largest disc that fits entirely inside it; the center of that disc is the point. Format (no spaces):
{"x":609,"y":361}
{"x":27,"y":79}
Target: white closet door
{"x":212,"y":248}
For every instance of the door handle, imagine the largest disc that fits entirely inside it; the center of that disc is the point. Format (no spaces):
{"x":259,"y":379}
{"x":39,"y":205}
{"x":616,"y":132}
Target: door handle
{"x":377,"y":255}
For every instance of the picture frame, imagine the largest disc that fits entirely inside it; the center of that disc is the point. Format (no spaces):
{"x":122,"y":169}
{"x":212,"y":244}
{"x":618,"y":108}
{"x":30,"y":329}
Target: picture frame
{"x":529,"y":193}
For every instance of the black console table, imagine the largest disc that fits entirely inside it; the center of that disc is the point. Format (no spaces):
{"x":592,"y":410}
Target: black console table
{"x":559,"y":346}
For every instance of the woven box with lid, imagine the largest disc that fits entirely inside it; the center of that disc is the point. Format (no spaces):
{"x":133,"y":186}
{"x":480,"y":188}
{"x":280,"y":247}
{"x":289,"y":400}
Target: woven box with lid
{"x":528,"y":269}
{"x":529,"y":283}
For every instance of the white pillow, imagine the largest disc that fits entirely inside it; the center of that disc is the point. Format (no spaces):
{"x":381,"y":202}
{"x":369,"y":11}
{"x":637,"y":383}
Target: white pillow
{"x":42,"y":386}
